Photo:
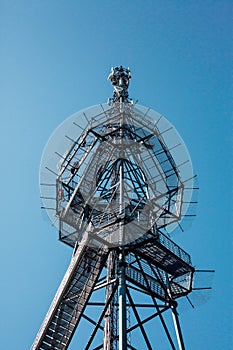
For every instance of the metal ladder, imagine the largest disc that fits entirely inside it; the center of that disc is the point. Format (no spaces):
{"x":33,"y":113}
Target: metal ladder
{"x":71,"y":298}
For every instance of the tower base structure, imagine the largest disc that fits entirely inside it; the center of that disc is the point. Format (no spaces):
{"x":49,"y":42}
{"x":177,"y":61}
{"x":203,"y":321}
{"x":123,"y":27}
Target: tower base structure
{"x":158,"y":269}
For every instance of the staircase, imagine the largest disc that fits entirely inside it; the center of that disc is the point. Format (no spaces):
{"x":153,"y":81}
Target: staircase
{"x":164,"y":253}
{"x":71,"y":298}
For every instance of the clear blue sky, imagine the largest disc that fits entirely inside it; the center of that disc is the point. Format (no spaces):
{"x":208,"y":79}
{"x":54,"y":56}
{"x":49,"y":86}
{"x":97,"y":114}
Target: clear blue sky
{"x":55,"y":56}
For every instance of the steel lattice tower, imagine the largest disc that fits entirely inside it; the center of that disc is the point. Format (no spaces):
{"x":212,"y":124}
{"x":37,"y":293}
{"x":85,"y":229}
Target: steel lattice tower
{"x":115,"y":191}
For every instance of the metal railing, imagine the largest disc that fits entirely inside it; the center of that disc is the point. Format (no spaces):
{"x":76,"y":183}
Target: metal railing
{"x":174,"y":248}
{"x":151,"y":282}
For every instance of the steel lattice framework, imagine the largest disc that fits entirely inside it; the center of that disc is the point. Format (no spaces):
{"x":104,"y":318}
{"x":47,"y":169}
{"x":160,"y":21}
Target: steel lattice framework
{"x":115,"y":192}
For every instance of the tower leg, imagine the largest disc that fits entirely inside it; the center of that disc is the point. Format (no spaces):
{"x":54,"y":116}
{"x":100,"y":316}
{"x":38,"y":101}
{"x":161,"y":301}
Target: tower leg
{"x":122,"y":304}
{"x":177,"y":326}
{"x":110,"y":321}
{"x":107,"y":321}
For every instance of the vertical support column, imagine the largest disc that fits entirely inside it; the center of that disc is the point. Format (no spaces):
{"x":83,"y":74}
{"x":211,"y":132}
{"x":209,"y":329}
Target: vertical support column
{"x":107,"y":319}
{"x":177,"y":326}
{"x":122,"y":284}
{"x":121,"y":179}
{"x":122,"y":303}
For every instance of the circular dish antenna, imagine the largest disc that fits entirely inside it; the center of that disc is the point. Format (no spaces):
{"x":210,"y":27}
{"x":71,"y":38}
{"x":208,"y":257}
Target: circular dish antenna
{"x":117,"y":171}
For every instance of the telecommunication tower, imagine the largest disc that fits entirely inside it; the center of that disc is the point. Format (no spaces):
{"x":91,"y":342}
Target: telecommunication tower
{"x":116,"y":179}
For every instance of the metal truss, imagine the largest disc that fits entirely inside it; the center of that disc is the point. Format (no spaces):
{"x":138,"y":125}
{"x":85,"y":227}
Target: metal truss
{"x":117,"y":189}
{"x":118,"y":143}
{"x":92,"y":269}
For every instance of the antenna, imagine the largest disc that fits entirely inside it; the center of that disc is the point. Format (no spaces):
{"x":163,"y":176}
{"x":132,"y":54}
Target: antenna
{"x":117,"y":179}
{"x":120,"y":78}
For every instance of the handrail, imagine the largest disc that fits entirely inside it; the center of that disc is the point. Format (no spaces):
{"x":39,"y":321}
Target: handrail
{"x":174,"y":248}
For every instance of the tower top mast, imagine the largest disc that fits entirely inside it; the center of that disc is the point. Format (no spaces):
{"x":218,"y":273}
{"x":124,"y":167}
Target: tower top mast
{"x":120,"y":78}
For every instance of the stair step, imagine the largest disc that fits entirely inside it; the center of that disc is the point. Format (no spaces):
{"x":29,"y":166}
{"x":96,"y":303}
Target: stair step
{"x":46,"y":347}
{"x":63,"y":323}
{"x":58,"y":330}
{"x":56,"y":343}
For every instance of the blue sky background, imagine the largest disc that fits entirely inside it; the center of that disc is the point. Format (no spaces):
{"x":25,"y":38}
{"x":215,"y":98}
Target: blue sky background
{"x":55,"y":56}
